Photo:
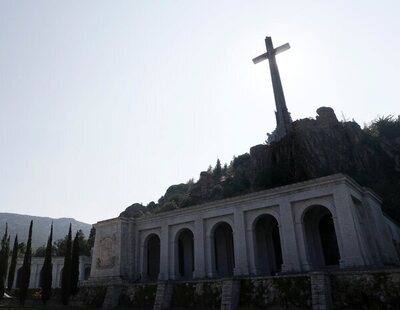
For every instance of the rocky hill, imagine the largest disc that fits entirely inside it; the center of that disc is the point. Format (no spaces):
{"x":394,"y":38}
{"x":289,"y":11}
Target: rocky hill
{"x":314,"y":148}
{"x":19,"y":224}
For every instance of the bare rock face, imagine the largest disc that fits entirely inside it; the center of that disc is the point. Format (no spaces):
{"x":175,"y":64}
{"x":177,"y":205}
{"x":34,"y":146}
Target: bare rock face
{"x":326,"y":116}
{"x":135,"y":210}
{"x":203,"y":187}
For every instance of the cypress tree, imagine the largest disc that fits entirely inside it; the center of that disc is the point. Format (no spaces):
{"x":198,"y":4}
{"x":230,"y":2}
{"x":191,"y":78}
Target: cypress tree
{"x":3,"y":261}
{"x":26,"y":268}
{"x":13,"y":264}
{"x":75,"y":265}
{"x":66,"y":273}
{"x":47,"y":269}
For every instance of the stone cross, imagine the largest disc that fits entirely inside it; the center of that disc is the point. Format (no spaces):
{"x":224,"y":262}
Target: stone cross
{"x":283,"y":120}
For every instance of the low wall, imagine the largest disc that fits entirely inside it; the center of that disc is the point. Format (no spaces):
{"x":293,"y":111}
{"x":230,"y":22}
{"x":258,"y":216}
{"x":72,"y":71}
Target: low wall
{"x":366,"y":290}
{"x":333,"y":290}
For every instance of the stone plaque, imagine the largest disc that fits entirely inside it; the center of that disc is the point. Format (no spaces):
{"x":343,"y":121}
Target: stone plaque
{"x":107,"y":257}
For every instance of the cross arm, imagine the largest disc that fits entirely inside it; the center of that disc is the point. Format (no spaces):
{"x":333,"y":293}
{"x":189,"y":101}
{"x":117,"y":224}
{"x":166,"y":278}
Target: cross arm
{"x":277,"y":51}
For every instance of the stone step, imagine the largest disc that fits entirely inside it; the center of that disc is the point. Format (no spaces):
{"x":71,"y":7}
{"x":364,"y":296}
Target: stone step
{"x":112,"y":297}
{"x":230,"y":294}
{"x":163,"y":296}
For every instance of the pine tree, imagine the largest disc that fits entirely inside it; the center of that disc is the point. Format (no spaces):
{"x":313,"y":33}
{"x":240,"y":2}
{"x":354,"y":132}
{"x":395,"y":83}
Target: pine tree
{"x":75,"y":265}
{"x":47,"y":277}
{"x":225,"y":169}
{"x":13,"y":264}
{"x":4,"y":261}
{"x":66,"y":273}
{"x":26,"y":268}
{"x":217,"y":170}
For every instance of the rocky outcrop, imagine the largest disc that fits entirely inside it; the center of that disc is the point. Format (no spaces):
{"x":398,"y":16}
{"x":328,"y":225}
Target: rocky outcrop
{"x":313,"y":148}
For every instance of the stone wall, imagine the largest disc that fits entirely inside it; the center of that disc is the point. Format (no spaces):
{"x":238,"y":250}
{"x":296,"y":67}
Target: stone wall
{"x":330,"y":290}
{"x":366,"y":290}
{"x":291,"y":292}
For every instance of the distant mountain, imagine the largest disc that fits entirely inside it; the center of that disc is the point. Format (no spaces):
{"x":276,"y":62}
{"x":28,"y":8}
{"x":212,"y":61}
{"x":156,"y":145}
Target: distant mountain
{"x":19,"y":224}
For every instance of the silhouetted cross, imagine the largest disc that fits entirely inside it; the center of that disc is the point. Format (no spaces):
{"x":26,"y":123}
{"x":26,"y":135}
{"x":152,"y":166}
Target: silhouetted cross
{"x":282,"y":115}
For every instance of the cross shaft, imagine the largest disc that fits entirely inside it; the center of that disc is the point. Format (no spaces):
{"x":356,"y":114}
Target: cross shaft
{"x":283,"y":120}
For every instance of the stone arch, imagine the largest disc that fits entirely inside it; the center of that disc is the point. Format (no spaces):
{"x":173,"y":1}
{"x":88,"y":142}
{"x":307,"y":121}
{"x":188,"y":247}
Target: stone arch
{"x":184,"y":252}
{"x":86,"y":273}
{"x":224,"y":252}
{"x":320,"y":236}
{"x":267,"y":249}
{"x":152,"y":257}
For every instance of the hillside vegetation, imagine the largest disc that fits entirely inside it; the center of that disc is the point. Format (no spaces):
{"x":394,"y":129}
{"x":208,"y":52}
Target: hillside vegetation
{"x":314,"y":148}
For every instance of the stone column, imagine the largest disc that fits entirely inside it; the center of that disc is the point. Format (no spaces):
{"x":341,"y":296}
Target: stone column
{"x":239,"y":241}
{"x":290,"y":254}
{"x":250,"y":250}
{"x":209,"y":255}
{"x":164,"y":253}
{"x":347,"y":237}
{"x":199,"y":250}
{"x":173,"y":259}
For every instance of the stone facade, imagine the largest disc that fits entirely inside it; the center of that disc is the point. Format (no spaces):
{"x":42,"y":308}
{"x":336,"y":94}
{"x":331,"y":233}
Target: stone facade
{"x":325,"y":223}
{"x":58,"y":263}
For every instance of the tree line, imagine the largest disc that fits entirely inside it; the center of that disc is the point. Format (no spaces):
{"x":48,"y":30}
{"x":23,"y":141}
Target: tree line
{"x":66,"y":247}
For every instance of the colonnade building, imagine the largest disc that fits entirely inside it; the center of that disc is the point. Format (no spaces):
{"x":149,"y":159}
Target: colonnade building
{"x":36,"y":276}
{"x":325,"y":223}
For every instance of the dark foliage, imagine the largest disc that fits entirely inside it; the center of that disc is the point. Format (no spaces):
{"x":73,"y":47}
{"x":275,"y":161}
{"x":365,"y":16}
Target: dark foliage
{"x":13,"y":264}
{"x":21,"y":249}
{"x":66,"y":273}
{"x":40,"y":252}
{"x":5,"y":248}
{"x":217,"y":172}
{"x":85,"y":245}
{"x":75,"y":265}
{"x":26,"y":268}
{"x":90,"y":240}
{"x":47,"y":269}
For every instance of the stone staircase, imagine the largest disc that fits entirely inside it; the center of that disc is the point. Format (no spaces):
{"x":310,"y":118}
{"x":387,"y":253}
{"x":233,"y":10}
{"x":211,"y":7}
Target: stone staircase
{"x":230,"y":294}
{"x":163,"y":296}
{"x":112,"y":297}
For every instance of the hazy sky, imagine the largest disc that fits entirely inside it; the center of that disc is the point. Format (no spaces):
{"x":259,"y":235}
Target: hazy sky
{"x":106,"y":103}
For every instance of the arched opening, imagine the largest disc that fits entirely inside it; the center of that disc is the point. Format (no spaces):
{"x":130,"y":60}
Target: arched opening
{"x":321,"y":239}
{"x":268,"y":251}
{"x":19,"y":278}
{"x":86,"y":273}
{"x":153,"y":257}
{"x":224,"y":256}
{"x":60,"y":277}
{"x":41,"y":279}
{"x":185,"y":254}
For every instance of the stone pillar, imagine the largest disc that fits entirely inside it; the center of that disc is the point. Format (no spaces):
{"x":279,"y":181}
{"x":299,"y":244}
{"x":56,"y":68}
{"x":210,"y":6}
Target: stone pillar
{"x":250,"y":250}
{"x":290,"y":254}
{"x":173,"y":259}
{"x":199,"y":250}
{"x":164,"y":253}
{"x":346,"y":234}
{"x":239,"y":241}
{"x":209,"y":250}
{"x":321,"y":291}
